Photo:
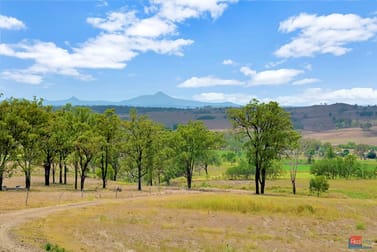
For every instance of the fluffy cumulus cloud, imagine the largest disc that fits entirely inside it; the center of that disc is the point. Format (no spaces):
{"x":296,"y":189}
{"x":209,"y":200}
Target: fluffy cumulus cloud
{"x":312,"y":96}
{"x":325,"y":34}
{"x":209,"y":81}
{"x":180,"y":10}
{"x":270,"y":77}
{"x":11,"y":23}
{"x":122,"y":36}
{"x":238,"y":98}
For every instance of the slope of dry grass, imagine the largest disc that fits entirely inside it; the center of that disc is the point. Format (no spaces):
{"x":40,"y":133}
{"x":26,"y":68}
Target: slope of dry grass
{"x":208,"y":222}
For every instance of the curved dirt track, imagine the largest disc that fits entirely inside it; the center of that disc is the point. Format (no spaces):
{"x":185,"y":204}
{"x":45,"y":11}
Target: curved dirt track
{"x":16,"y":218}
{"x":19,"y":217}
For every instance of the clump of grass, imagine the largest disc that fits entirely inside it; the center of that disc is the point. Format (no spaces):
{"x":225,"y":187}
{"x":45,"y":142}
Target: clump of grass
{"x":360,"y":226}
{"x":305,"y":208}
{"x":53,"y":247}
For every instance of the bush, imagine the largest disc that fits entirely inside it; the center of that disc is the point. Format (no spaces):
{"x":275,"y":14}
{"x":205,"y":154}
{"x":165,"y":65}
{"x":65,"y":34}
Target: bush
{"x":318,"y":184}
{"x":275,"y":170}
{"x":371,"y":155}
{"x":53,"y":248}
{"x":242,"y":171}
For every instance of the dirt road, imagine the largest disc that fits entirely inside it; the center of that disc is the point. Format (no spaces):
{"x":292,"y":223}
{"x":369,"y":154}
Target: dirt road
{"x":13,"y":219}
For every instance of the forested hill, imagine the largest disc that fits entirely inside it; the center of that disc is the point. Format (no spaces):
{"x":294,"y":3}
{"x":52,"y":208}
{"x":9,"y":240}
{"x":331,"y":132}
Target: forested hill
{"x":316,"y":118}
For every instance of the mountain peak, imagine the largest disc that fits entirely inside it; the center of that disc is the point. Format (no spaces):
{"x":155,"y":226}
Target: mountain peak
{"x":160,"y":93}
{"x":157,"y":100}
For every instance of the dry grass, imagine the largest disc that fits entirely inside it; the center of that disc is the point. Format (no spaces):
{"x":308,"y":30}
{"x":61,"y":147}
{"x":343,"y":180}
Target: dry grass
{"x":201,"y":222}
{"x":160,"y":219}
{"x":343,"y":136}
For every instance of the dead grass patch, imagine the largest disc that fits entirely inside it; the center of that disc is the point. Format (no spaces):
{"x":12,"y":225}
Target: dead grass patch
{"x":162,"y":223}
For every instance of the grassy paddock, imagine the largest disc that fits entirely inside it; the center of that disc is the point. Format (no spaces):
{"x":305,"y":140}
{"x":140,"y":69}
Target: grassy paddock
{"x":208,"y":222}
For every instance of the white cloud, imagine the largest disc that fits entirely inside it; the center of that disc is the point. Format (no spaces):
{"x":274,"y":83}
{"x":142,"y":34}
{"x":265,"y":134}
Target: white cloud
{"x":305,"y":81}
{"x":180,"y":10}
{"x":123,"y":36}
{"x":312,"y":96}
{"x":115,"y":21}
{"x":152,"y":27}
{"x":325,"y":34}
{"x":247,"y":71}
{"x":21,"y":77}
{"x":240,"y":99}
{"x":275,"y":63}
{"x":228,"y":62}
{"x":11,"y":23}
{"x":270,"y":77}
{"x":209,"y":81}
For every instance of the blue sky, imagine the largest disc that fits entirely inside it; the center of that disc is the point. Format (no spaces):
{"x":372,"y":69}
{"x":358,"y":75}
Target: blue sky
{"x":294,"y":52}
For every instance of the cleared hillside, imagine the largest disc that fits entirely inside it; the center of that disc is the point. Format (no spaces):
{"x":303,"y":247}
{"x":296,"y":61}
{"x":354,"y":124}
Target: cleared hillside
{"x":316,"y":118}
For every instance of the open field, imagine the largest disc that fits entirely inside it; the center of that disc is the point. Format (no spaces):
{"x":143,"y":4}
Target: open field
{"x":343,"y":136}
{"x":218,"y":215}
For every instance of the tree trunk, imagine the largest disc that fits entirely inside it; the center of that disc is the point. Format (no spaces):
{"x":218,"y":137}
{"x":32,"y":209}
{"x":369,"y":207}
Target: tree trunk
{"x":206,"y":168}
{"x":189,"y":180}
{"x":47,"y":167}
{"x":257,"y":175}
{"x":65,"y":173}
{"x":53,"y":173}
{"x":82,"y":182}
{"x":76,"y":173}
{"x":103,"y":172}
{"x":1,"y":180}
{"x":189,"y":176}
{"x":115,"y":173}
{"x":60,"y":170}
{"x":27,"y":179}
{"x":139,"y":176}
{"x":150,"y":177}
{"x":294,"y":186}
{"x":263,"y":181}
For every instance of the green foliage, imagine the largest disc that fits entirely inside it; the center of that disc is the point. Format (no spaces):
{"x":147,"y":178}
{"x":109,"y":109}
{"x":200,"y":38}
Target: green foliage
{"x":269,"y":132}
{"x":275,"y":170}
{"x":206,"y":117}
{"x":191,"y":144}
{"x":241,"y":171}
{"x":371,"y":154}
{"x":318,"y":184}
{"x":310,"y":148}
{"x":360,"y":226}
{"x":343,"y":167}
{"x":230,"y":157}
{"x":141,"y":145}
{"x":53,"y":247}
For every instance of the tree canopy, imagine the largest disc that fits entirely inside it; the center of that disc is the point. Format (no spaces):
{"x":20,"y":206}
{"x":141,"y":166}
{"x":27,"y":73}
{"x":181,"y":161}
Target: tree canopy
{"x":269,"y":131}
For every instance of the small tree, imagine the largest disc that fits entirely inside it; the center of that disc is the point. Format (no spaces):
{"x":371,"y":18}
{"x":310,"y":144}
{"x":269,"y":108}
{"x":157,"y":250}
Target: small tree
{"x":318,"y":184}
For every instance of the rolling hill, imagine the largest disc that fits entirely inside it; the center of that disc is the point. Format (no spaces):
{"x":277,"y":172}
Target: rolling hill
{"x":157,"y":100}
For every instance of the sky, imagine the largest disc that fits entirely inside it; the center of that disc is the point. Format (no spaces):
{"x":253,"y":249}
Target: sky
{"x":295,"y":52}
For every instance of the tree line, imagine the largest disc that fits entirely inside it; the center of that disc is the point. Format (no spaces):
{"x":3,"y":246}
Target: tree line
{"x":77,"y":138}
{"x":35,"y":135}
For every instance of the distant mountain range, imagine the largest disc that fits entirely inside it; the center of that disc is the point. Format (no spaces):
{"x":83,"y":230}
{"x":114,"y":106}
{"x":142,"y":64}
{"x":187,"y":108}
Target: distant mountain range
{"x":157,"y":100}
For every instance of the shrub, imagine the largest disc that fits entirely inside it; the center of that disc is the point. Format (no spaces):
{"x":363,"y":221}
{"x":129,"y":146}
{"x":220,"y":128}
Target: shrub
{"x":243,"y":170}
{"x":371,"y":155}
{"x":318,"y":184}
{"x":53,"y":247}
